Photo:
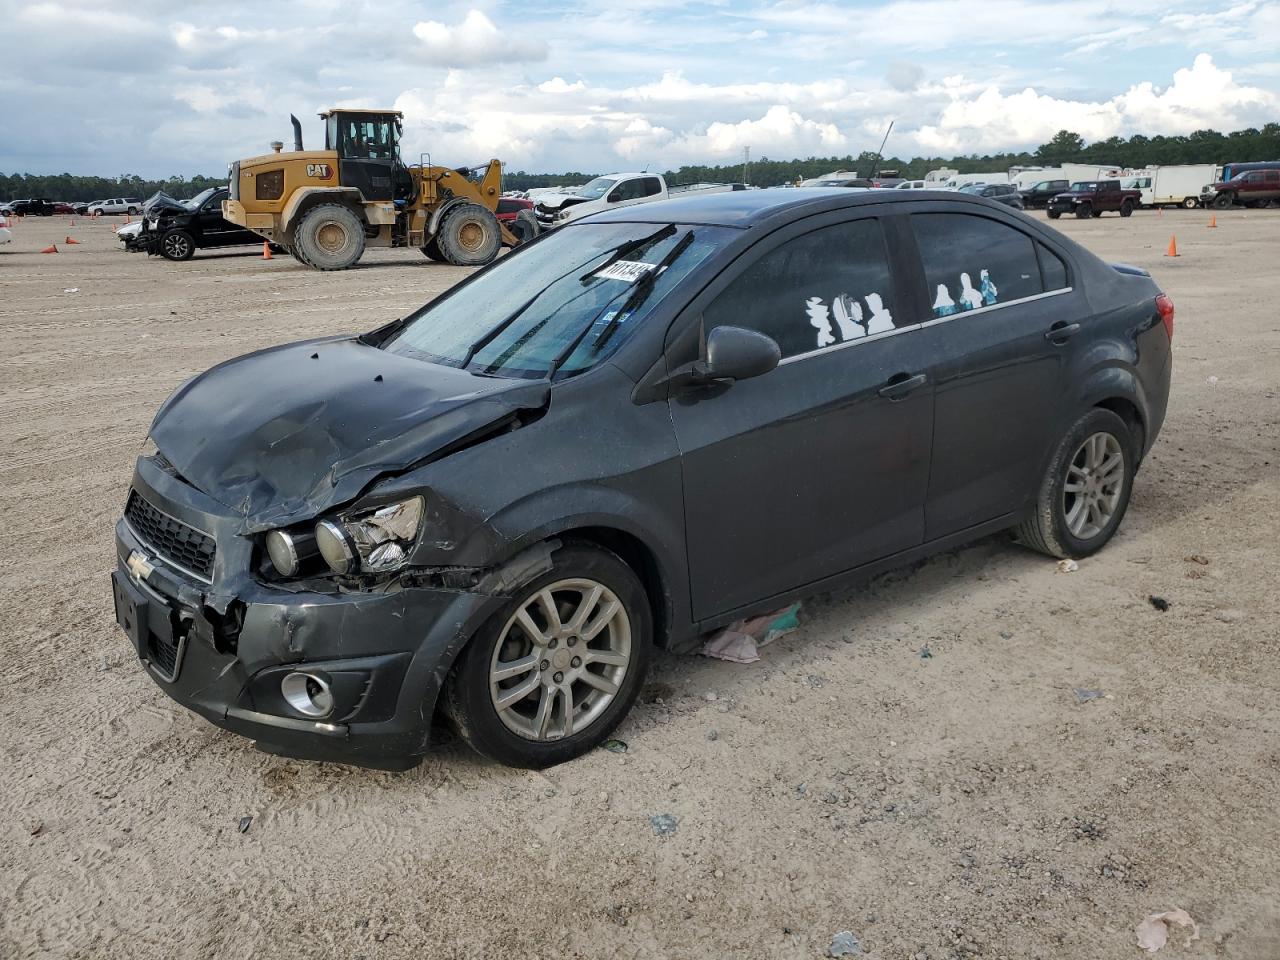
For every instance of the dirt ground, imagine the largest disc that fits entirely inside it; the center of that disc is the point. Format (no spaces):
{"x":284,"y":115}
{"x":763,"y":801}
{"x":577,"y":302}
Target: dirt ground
{"x":959,"y":804}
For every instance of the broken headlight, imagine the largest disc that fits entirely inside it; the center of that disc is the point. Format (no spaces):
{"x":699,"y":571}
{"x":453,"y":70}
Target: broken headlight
{"x":376,"y":541}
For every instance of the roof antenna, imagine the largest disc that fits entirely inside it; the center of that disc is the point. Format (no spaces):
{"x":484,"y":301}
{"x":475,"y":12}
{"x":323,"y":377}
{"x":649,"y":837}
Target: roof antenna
{"x":880,"y":152}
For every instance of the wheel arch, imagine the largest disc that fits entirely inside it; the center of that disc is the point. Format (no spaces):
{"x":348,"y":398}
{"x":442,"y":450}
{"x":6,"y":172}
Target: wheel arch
{"x":433,"y":225}
{"x":302,"y":201}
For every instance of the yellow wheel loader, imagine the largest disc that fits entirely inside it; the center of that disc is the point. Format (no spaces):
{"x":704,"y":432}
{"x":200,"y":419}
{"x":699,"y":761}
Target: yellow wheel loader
{"x":326,"y":206}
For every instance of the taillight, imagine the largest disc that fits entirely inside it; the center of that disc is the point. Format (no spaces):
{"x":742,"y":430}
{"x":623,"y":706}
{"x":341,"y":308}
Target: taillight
{"x":1165,"y":306}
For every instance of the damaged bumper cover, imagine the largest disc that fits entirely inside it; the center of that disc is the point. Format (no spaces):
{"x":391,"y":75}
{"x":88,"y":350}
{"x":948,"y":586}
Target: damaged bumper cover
{"x":222,"y":645}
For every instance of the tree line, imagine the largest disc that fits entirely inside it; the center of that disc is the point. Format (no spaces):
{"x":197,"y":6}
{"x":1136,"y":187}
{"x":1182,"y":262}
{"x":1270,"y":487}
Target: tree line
{"x":1203,"y":146}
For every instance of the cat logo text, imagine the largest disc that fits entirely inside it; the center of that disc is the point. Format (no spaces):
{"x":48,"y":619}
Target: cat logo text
{"x":321,"y":170}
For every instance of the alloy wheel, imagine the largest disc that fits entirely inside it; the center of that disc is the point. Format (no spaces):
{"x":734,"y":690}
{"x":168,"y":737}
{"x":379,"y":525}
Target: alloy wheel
{"x":177,"y":247}
{"x":1095,"y":480}
{"x":560,"y":660}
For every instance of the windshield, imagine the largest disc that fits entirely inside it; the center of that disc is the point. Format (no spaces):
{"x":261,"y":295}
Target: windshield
{"x":196,"y":202}
{"x":1084,"y":186}
{"x":596,"y":189}
{"x":560,"y":306}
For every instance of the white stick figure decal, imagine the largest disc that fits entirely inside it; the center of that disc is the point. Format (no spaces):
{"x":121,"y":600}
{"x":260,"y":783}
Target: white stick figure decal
{"x":943,"y":305}
{"x":821,"y":320}
{"x":989,"y":292}
{"x":848,"y":314}
{"x":970,"y":299}
{"x":881,"y":319}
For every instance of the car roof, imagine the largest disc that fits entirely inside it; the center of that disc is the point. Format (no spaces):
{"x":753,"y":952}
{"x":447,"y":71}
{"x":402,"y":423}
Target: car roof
{"x":747,"y":208}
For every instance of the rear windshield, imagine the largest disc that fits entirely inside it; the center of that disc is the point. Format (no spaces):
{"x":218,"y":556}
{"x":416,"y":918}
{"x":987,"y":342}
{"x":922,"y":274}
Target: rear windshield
{"x":563,"y":304}
{"x":1084,"y":186}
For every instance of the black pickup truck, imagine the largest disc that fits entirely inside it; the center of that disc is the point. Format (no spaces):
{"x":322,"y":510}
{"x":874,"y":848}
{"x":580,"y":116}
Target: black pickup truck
{"x":1093,"y":198}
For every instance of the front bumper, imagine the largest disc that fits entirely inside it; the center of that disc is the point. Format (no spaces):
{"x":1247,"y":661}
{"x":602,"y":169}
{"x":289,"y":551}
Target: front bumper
{"x":222,"y":647}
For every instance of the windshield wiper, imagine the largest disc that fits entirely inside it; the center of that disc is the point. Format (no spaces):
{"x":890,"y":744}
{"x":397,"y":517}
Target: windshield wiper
{"x":642,"y":289}
{"x":626,"y":248}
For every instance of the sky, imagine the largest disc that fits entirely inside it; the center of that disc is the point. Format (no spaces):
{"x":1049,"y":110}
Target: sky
{"x":161,"y":88}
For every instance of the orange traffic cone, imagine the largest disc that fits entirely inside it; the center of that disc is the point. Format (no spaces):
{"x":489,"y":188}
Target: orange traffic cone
{"x":266,"y":251}
{"x":1173,"y":248}
{"x":52,"y":248}
{"x":70,"y":240}
{"x":1159,"y":211}
{"x":126,"y":218}
{"x":1213,"y":221}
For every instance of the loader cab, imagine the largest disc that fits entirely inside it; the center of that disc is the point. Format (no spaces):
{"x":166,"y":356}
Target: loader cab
{"x":368,"y":146}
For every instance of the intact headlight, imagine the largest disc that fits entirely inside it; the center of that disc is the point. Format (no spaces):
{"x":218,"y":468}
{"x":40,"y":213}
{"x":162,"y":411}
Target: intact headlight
{"x":374,"y":542}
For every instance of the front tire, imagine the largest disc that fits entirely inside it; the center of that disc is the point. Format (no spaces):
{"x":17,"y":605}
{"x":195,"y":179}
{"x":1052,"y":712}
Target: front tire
{"x":1054,"y":214}
{"x":1084,"y":211}
{"x":432,"y":251}
{"x":330,"y":237}
{"x":469,"y":235}
{"x":1126,"y":209}
{"x":1085,"y":490}
{"x":177,"y":245}
{"x":558,"y":666}
{"x":1224,"y":201}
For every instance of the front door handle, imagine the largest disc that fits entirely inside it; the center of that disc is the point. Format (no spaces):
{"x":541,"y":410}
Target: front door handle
{"x":1062,"y":331}
{"x":900,"y":384}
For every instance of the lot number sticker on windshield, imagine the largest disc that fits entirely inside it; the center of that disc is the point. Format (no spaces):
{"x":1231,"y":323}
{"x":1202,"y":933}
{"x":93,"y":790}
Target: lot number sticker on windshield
{"x":628,"y":271}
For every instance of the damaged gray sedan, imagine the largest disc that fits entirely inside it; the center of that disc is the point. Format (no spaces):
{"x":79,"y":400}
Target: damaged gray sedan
{"x":634,"y":430}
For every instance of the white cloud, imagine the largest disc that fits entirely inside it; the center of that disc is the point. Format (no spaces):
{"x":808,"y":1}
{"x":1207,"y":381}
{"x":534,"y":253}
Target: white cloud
{"x":475,"y":42}
{"x":560,"y":85}
{"x":1201,"y":96}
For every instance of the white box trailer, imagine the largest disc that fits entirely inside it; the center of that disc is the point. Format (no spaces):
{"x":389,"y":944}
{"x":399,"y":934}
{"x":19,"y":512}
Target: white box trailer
{"x":964,"y":179}
{"x":1075,"y":172}
{"x":1180,"y":184}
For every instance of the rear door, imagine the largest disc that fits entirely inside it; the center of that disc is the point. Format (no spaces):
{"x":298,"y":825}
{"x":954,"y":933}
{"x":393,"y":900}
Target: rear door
{"x":1002,"y":329}
{"x":821,"y":464}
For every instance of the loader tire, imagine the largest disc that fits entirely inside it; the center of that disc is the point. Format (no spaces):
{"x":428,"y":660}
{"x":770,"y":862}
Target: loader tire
{"x":330,"y":237}
{"x":432,"y":251}
{"x":469,"y":235}
{"x":525,"y":226}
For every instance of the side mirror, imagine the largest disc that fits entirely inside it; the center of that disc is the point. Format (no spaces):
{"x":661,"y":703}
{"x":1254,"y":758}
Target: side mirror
{"x":614,"y":197}
{"x":734,"y":353}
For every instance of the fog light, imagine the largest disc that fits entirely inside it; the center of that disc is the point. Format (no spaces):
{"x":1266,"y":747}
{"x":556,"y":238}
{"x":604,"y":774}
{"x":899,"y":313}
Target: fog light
{"x":308,"y":694}
{"x":288,"y":551}
{"x":336,"y":546}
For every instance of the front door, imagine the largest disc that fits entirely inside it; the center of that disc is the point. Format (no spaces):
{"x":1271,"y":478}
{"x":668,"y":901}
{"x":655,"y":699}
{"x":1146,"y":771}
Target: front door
{"x":1001,"y":332}
{"x":821,"y":464}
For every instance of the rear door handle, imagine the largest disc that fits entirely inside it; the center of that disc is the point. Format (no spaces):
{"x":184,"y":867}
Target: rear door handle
{"x":900,"y":384}
{"x":1062,"y":331}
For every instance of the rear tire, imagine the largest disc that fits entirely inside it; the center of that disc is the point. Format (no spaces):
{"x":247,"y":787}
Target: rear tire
{"x":1126,"y":209}
{"x":1190,"y":203}
{"x":519,"y":733}
{"x":177,"y":245}
{"x":469,"y":235}
{"x":1063,"y":523}
{"x":330,"y":237}
{"x":1084,"y":211}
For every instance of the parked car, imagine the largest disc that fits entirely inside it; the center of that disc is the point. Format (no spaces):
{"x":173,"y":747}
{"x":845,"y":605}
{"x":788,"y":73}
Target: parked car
{"x":6,"y":209}
{"x":130,"y":234}
{"x":634,"y":430}
{"x":1252,"y":188}
{"x":518,"y":216}
{"x":1005,"y":193}
{"x":1093,"y":198}
{"x":1039,"y":195}
{"x":60,"y":207}
{"x":125,"y":205}
{"x":32,"y":208}
{"x":80,"y":207}
{"x":914,"y":185}
{"x":176,"y":229}
{"x":886,"y":183}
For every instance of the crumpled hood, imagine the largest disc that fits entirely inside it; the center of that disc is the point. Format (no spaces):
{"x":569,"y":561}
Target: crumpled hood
{"x":161,"y":203}
{"x":558,"y":201}
{"x":284,"y":434}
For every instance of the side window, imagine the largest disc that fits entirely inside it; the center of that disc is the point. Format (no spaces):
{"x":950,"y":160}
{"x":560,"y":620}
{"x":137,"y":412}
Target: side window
{"x":629,"y":189}
{"x":817,"y":290}
{"x":1273,"y":176}
{"x":652,"y":186}
{"x":971,"y":261}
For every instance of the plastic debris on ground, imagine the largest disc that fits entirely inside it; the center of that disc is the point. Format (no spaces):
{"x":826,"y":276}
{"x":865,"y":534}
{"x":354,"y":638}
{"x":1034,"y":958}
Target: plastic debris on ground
{"x":1153,"y":932}
{"x":1084,"y":695}
{"x":1160,"y":603}
{"x":844,"y":944}
{"x":1068,"y":566}
{"x":71,"y":290}
{"x":244,"y":824}
{"x":615,"y":746}
{"x":664,"y":824}
{"x":740,"y":642}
